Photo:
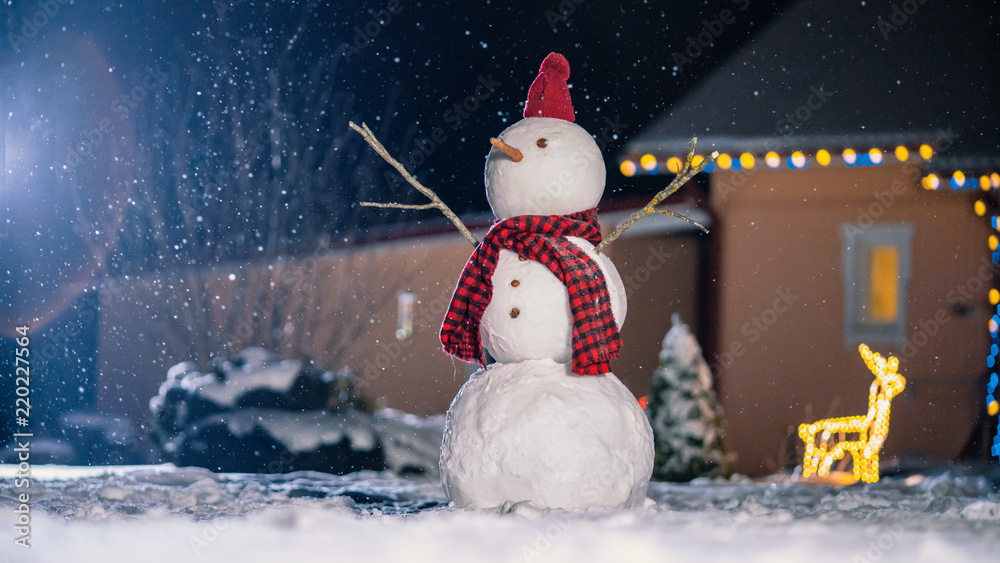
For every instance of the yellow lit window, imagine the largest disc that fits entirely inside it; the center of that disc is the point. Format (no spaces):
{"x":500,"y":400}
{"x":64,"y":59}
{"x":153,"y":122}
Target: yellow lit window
{"x":883,"y":305}
{"x":876,"y":270}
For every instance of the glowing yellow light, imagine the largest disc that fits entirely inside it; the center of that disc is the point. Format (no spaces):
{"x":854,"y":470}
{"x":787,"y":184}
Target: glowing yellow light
{"x":984,"y":182}
{"x":628,"y":168}
{"x":772,"y":160}
{"x":995,"y":180}
{"x":798,"y":159}
{"x":872,"y":428}
{"x":926,"y":152}
{"x":993,"y":408}
{"x":823,"y":157}
{"x":876,"y":156}
{"x":746,"y":159}
{"x":930,"y":182}
{"x":724,"y":161}
{"x":994,"y":297}
{"x":697,"y":160}
{"x":959,"y":177}
{"x":993,"y":242}
{"x":674,"y":164}
{"x":993,"y":325}
{"x":648,"y":162}
{"x":883,"y":302}
{"x":850,"y":157}
{"x":979,"y":207}
{"x":902,"y":154}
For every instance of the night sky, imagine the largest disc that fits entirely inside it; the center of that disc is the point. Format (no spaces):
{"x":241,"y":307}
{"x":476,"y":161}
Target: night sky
{"x":428,"y":56}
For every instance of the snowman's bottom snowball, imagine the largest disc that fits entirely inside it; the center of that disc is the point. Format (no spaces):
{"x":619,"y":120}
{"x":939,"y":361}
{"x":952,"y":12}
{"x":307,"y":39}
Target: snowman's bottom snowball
{"x":533,"y":431}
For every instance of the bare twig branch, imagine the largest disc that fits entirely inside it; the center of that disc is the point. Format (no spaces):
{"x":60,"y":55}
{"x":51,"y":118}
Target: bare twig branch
{"x":398,"y":205}
{"x":683,"y":175}
{"x":684,"y":218}
{"x":435,"y":200}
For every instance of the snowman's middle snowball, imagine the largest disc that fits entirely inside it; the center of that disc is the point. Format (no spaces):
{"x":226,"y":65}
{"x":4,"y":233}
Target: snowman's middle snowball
{"x":543,"y":325}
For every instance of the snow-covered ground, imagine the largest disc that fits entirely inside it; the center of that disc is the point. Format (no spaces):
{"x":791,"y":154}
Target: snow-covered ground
{"x":163,"y":513}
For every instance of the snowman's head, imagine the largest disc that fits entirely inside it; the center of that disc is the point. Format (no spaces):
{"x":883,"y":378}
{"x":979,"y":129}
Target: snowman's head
{"x":544,"y":166}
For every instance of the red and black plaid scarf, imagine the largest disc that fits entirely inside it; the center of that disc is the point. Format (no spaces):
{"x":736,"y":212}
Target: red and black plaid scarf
{"x":543,"y":239}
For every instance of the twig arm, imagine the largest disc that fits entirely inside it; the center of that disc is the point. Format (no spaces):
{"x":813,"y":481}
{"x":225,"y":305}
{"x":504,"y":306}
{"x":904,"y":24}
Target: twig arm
{"x":683,"y":175}
{"x":398,"y":205}
{"x":684,"y":218}
{"x":435,"y":200}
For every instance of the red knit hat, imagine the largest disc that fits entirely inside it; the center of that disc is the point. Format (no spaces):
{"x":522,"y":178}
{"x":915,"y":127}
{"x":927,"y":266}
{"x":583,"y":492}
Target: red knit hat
{"x":549,"y":95}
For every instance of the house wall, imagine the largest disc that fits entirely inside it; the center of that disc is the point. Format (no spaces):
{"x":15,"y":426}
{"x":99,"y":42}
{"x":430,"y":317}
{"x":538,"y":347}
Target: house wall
{"x":779,"y":234}
{"x":341,"y":310}
{"x":662,"y":274}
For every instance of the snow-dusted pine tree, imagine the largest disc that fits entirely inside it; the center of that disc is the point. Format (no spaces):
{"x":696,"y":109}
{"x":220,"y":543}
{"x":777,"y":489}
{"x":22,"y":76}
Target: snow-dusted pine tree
{"x":683,"y":411}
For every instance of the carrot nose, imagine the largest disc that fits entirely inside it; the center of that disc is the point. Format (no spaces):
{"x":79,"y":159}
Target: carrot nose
{"x":508,"y":150}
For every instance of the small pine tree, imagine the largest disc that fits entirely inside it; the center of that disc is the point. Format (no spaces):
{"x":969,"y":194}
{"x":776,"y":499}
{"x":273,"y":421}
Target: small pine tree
{"x":684,"y":413}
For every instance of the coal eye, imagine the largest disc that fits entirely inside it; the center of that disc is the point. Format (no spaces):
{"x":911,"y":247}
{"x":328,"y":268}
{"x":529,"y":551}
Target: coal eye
{"x":541,"y":143}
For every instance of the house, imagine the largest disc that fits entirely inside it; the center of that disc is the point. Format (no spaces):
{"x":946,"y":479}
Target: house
{"x":375,"y":309}
{"x":852,"y":202}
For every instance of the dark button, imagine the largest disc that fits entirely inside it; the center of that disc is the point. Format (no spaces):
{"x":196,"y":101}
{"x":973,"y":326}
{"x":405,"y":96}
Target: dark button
{"x":515,"y":283}
{"x":514,"y":313}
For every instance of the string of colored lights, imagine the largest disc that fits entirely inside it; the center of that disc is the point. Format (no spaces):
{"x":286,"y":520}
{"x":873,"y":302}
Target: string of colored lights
{"x":960,"y":181}
{"x":797,"y":160}
{"x":992,"y":406}
{"x":871,"y":428}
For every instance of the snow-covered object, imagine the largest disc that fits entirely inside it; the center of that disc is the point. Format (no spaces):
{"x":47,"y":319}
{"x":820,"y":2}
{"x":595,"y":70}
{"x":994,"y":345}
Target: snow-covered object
{"x":309,"y":430}
{"x":561,"y":172}
{"x":277,"y":441}
{"x":533,"y":431}
{"x":526,"y":429}
{"x":412,"y":443}
{"x":258,"y":413}
{"x":683,"y":411}
{"x":543,"y":327}
{"x":255,"y":378}
{"x":277,"y":376}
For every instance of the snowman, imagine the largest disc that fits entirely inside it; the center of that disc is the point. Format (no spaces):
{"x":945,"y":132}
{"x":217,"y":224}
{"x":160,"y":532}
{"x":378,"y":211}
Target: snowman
{"x":547,"y":424}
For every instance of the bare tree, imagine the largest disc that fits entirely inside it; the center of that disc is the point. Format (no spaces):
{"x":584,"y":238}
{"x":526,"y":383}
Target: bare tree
{"x":247,"y":202}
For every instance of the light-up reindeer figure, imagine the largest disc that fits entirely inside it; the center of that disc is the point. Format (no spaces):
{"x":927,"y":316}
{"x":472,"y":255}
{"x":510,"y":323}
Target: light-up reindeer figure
{"x":871,"y":428}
